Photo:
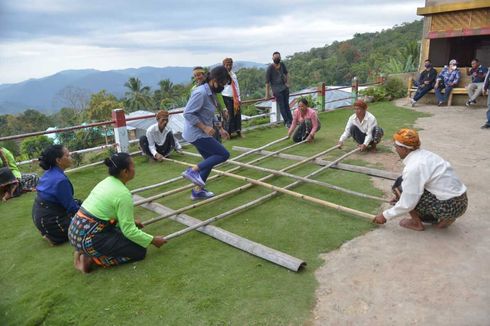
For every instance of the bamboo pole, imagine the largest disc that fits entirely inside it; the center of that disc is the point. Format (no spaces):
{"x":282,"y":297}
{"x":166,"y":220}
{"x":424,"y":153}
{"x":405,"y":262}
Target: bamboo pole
{"x":242,"y":207}
{"x":231,"y":192}
{"x":340,"y":166}
{"x":189,"y":186}
{"x":254,"y":248}
{"x":288,"y":192}
{"x":315,"y":182}
{"x":250,"y":151}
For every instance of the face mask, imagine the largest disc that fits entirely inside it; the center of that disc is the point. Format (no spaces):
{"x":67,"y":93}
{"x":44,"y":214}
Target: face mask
{"x":218,"y":89}
{"x":276,"y":61}
{"x":428,"y":65}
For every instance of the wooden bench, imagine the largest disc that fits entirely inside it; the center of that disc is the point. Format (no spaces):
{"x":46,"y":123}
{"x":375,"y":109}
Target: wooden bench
{"x":464,"y":80}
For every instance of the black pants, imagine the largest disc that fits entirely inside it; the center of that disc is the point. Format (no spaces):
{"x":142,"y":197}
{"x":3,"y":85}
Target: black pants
{"x":51,"y":220}
{"x":234,"y":123}
{"x":164,"y":149}
{"x":282,"y":99}
{"x":359,"y":136}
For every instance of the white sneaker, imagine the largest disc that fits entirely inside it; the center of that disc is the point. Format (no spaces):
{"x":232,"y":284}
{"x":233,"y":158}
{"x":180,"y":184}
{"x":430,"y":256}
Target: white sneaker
{"x":412,"y":101}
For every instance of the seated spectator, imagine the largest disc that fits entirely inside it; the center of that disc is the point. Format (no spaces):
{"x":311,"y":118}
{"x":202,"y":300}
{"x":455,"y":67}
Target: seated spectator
{"x":447,"y":79}
{"x":475,"y":88}
{"x":425,"y":82}
{"x":159,"y":140}
{"x":305,"y":123}
{"x":363,"y":127}
{"x":54,"y":205}
{"x":13,"y":183}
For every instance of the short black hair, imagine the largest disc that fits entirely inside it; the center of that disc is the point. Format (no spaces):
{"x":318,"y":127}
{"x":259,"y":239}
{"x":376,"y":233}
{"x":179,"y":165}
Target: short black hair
{"x":304,"y":101}
{"x":476,"y":60}
{"x":48,"y":157}
{"x":220,"y":73}
{"x":117,"y":162}
{"x":427,"y":60}
{"x":275,"y":53}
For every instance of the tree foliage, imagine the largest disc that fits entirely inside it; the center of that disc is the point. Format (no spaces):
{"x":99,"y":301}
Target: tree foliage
{"x":138,"y":97}
{"x":33,"y":146}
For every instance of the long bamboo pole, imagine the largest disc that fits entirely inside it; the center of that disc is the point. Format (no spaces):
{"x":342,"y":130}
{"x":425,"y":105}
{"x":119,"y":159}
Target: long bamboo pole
{"x":340,"y":166}
{"x":251,"y":151}
{"x":242,"y":207}
{"x":288,"y":192}
{"x":231,"y":192}
{"x":254,"y":248}
{"x":189,"y":186}
{"x":315,"y":182}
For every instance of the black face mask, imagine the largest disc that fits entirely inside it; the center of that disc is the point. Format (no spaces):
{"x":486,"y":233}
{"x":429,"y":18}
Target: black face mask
{"x":276,"y":61}
{"x":218,"y":89}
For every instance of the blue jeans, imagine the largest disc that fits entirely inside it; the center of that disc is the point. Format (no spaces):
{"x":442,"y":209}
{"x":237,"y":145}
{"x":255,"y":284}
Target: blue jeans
{"x":213,"y":153}
{"x":282,"y":100}
{"x":421,"y":91}
{"x":443,"y":97}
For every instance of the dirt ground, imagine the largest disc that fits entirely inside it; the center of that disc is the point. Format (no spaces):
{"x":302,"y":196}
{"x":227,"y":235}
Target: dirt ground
{"x":395,"y":276}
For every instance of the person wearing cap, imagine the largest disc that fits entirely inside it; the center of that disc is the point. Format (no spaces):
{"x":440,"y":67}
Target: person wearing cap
{"x":363,"y":127}
{"x":429,"y":191}
{"x":199,"y":123}
{"x":231,"y":99}
{"x":475,"y":88}
{"x":159,"y":140}
{"x":447,"y":79}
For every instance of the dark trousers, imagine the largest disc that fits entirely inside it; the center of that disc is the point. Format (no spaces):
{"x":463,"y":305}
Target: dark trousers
{"x":421,"y":91}
{"x":164,"y":149}
{"x":51,"y":220}
{"x":443,"y":97}
{"x":213,"y":153}
{"x":282,"y":99}
{"x":234,"y":122}
{"x":359,"y":136}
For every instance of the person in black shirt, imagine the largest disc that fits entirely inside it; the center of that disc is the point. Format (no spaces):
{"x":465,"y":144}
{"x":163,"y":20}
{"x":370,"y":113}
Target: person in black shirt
{"x":425,"y":82}
{"x":276,"y":77}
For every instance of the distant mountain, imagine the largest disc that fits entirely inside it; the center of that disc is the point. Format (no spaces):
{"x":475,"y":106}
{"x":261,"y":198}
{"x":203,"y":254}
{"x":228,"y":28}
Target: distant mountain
{"x":44,"y":94}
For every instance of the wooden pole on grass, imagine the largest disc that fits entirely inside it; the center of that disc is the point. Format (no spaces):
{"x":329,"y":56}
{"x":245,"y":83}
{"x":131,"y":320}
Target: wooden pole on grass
{"x":242,"y":207}
{"x":230,"y":192}
{"x":288,"y":192}
{"x":254,"y":248}
{"x":183,"y":188}
{"x":251,"y":151}
{"x":315,"y":182}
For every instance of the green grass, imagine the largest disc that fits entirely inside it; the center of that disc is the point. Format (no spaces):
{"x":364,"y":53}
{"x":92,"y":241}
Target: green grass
{"x":194,"y":279}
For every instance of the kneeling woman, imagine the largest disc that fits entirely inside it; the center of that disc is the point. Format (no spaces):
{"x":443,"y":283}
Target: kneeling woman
{"x":104,"y":231}
{"x":54,"y":205}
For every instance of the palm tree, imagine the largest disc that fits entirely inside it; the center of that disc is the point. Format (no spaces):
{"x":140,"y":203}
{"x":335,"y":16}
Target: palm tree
{"x":137,"y":97}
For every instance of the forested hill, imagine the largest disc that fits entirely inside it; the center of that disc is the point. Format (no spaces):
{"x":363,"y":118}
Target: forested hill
{"x":365,"y":55}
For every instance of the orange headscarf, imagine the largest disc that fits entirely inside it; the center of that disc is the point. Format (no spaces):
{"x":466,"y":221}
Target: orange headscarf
{"x":408,"y":138}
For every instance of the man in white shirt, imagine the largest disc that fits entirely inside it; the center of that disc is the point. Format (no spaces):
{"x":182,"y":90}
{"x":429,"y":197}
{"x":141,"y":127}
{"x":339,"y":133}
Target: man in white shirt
{"x":363,"y":127}
{"x":231,"y":98}
{"x":429,"y":191}
{"x":159,"y":140}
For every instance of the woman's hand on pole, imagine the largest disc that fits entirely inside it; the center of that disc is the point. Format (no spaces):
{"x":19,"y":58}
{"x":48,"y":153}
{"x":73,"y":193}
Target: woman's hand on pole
{"x":158,"y":241}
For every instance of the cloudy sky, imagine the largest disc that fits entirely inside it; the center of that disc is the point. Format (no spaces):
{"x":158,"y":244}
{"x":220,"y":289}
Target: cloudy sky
{"x":41,"y":37}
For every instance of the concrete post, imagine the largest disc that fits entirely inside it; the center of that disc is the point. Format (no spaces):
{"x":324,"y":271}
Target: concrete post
{"x":120,"y":131}
{"x":355,"y":88}
{"x":275,"y":113}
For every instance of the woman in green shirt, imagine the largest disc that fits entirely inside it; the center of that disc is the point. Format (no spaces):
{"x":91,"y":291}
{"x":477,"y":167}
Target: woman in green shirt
{"x":104,"y":231}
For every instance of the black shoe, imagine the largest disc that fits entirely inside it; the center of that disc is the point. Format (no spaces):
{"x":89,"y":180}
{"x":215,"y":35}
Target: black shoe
{"x":485,"y":126}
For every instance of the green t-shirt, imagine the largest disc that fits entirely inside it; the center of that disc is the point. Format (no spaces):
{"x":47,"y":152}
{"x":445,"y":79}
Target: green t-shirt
{"x":110,"y":199}
{"x":11,"y":163}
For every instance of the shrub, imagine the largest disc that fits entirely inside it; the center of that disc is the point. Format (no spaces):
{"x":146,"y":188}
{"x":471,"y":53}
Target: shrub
{"x":395,"y":88}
